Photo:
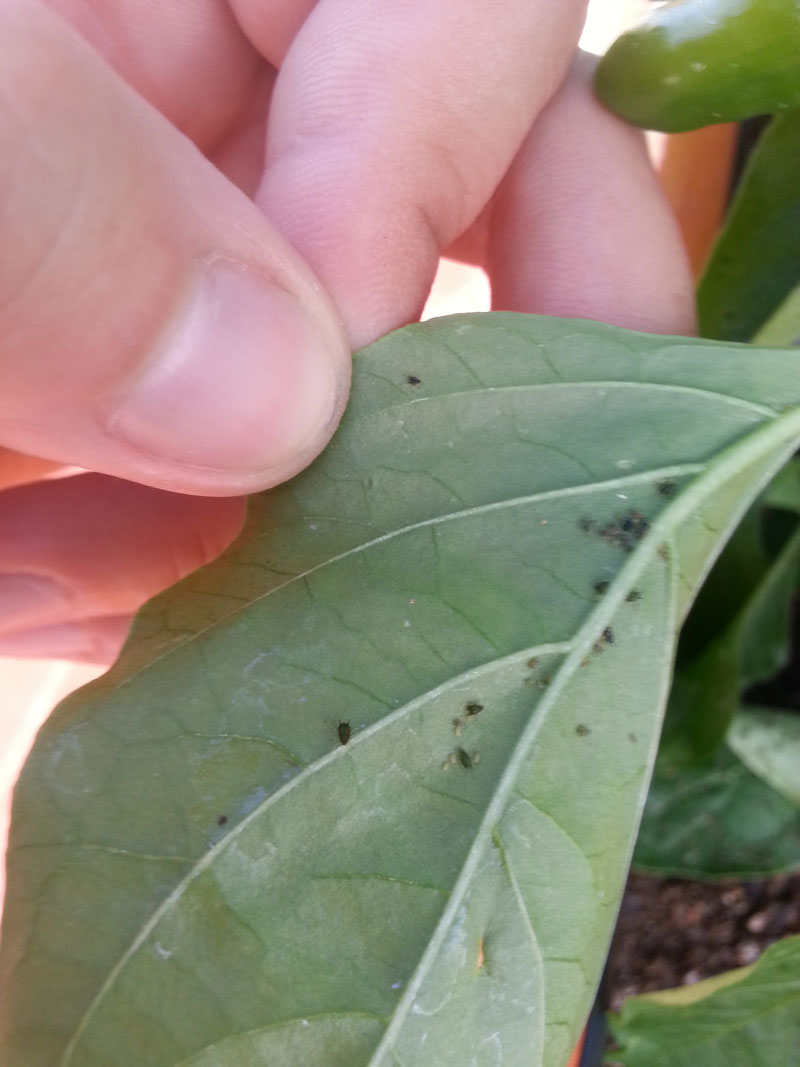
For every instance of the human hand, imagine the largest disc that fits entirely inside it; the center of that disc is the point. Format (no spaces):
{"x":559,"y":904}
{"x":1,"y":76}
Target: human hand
{"x":159,"y":322}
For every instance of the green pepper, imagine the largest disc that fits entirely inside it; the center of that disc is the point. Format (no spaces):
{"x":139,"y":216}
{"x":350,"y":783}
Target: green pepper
{"x":693,"y":63}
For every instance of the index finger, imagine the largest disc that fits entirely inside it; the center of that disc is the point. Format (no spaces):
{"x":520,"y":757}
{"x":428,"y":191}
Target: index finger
{"x":390,"y":128}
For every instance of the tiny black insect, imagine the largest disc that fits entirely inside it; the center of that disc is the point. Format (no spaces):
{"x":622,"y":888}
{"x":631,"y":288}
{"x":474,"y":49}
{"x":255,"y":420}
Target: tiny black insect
{"x":464,"y":758}
{"x":222,"y":820}
{"x":633,"y":596}
{"x":473,"y":708}
{"x":343,"y":730}
{"x":667,"y":487}
{"x":581,"y":730}
{"x":608,"y":635}
{"x":412,"y":379}
{"x":601,"y":588}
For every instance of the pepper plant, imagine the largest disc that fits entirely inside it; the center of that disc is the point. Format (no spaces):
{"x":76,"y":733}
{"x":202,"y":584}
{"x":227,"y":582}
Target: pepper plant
{"x":365,"y":790}
{"x":724,"y":799}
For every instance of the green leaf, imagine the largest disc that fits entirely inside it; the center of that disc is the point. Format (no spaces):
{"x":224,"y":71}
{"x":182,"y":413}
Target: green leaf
{"x":749,"y":1019}
{"x":768,"y":742}
{"x":782,"y":328}
{"x":200,"y":873}
{"x":715,"y":821}
{"x":755,"y":263}
{"x":783,"y":491}
{"x":754,"y":646}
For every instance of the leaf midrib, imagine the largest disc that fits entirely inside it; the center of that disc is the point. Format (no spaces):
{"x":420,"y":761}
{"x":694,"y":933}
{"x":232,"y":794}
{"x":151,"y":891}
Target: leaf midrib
{"x":718,"y":473}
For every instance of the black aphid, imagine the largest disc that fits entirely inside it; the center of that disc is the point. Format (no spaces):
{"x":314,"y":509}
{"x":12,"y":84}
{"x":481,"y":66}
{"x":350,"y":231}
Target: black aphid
{"x":601,"y":588}
{"x":608,"y":635}
{"x":581,"y":730}
{"x":667,"y":487}
{"x":464,"y":758}
{"x":222,"y":820}
{"x":633,"y":596}
{"x":344,"y":731}
{"x":473,"y":708}
{"x":412,"y":379}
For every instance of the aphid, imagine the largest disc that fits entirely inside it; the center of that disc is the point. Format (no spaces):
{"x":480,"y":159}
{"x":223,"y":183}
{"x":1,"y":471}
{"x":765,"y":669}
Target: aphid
{"x":543,"y":682}
{"x":641,"y":525}
{"x":635,"y":524}
{"x":633,"y":738}
{"x":667,"y":487}
{"x":464,"y":758}
{"x":605,"y":638}
{"x":633,"y":596}
{"x":581,"y":730}
{"x":412,"y":379}
{"x":222,"y":820}
{"x":532,"y":663}
{"x":601,"y":588}
{"x":473,"y":708}
{"x":344,"y":731}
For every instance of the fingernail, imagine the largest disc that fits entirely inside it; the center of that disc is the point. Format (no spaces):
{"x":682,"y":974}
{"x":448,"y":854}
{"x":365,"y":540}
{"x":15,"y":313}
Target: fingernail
{"x":28,"y":599}
{"x":244,"y":381}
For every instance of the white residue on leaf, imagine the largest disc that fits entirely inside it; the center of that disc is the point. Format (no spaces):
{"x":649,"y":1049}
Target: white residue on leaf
{"x":623,"y":464}
{"x":490,"y":1052}
{"x":161,"y":952}
{"x":68,"y":773}
{"x":452,"y":960}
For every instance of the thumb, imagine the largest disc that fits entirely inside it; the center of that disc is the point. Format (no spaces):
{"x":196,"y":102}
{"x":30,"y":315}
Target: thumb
{"x":153,"y":325}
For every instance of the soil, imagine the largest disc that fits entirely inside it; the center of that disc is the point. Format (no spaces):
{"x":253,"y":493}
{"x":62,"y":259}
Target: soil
{"x":673,"y":932}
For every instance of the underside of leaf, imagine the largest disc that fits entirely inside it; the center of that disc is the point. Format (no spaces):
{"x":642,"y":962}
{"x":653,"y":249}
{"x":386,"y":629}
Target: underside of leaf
{"x":482,"y":577}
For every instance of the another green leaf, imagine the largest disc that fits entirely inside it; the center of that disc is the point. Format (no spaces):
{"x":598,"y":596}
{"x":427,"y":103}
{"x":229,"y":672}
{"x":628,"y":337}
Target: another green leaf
{"x":756,"y":261}
{"x":513,"y":518}
{"x":782,"y":328}
{"x":750,"y":1019}
{"x":784,"y":490}
{"x":715,"y":821}
{"x":754,"y":646}
{"x":768,"y":742}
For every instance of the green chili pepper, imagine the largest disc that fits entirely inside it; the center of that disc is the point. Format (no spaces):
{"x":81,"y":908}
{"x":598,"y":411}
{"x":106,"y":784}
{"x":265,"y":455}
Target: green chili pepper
{"x":693,"y":63}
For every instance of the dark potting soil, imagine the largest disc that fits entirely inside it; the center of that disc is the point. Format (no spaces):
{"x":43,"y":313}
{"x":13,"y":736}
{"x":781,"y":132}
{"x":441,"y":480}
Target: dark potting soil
{"x":673,"y":932}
